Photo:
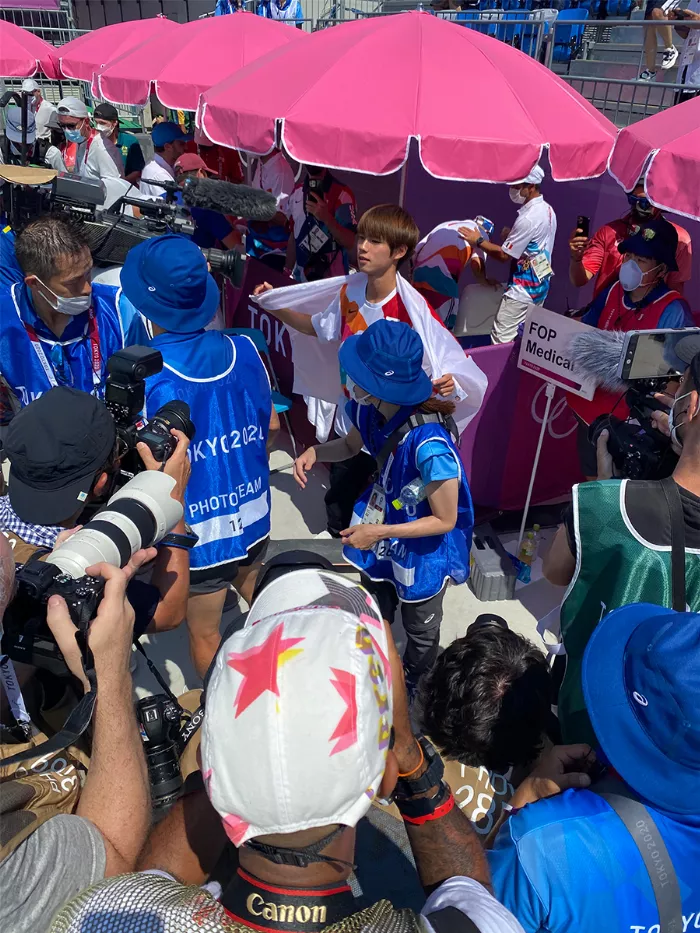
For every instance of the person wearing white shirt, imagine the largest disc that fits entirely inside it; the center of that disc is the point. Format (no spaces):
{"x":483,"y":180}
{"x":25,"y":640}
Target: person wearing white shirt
{"x":267,"y":241}
{"x":528,"y":247}
{"x":168,"y":144}
{"x":689,"y":61}
{"x":86,"y":152}
{"x":42,"y":108}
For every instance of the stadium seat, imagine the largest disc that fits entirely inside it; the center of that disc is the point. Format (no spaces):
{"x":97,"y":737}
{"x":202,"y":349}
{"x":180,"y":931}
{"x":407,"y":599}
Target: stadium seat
{"x":567,"y":39}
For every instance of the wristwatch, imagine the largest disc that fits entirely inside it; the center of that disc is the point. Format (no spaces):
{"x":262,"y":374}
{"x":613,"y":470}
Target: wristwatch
{"x":186,"y":541}
{"x":479,"y":241}
{"x":415,"y":810}
{"x":407,"y":788}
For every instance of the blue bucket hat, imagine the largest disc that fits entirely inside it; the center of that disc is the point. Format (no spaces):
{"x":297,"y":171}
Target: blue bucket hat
{"x":166,"y":278}
{"x":656,"y":239}
{"x":387,"y":361}
{"x":641,"y":683}
{"x":163,"y":133}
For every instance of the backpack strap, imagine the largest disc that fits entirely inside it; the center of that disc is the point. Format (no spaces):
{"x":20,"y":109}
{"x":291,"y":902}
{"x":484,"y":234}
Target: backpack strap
{"x":416,"y":420}
{"x":451,"y":920}
{"x":647,"y":838}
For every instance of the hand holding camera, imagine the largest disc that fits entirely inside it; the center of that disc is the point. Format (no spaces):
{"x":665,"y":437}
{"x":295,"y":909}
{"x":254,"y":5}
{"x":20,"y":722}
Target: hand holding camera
{"x":177,"y":465}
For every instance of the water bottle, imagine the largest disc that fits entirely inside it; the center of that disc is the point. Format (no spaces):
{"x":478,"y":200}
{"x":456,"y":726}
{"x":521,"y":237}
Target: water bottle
{"x":411,"y":494}
{"x":528,"y":549}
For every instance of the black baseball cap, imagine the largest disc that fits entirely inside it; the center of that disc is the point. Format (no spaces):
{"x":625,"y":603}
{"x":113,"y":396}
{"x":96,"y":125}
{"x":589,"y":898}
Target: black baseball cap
{"x":656,"y":239}
{"x":56,"y":446}
{"x":106,"y":112}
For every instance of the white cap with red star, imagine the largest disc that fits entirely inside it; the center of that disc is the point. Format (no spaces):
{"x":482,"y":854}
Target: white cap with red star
{"x":299,"y":709}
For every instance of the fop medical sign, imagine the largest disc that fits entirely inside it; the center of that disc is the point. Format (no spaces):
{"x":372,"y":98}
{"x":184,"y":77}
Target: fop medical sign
{"x":544,"y":351}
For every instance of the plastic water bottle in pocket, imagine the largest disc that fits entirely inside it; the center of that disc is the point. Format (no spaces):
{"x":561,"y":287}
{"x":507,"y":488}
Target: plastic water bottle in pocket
{"x":411,"y":494}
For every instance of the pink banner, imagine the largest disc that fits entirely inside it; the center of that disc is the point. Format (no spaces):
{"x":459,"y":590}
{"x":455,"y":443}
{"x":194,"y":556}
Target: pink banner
{"x":498,"y":447}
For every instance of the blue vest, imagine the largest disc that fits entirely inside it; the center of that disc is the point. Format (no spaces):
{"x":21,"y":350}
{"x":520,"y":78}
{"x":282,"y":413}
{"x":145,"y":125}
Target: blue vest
{"x":10,"y":270}
{"x":31,"y":368}
{"x":418,"y":567}
{"x":225,"y":384}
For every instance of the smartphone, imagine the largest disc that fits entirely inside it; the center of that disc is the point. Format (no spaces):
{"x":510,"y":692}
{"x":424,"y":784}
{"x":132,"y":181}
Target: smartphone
{"x":583,"y":224}
{"x":650,"y":354}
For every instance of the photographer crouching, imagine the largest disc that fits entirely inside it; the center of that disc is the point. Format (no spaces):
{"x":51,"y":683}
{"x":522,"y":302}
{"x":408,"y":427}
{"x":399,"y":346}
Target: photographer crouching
{"x":627,"y":541}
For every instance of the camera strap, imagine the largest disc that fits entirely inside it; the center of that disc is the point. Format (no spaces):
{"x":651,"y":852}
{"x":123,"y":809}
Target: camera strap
{"x":675,"y":509}
{"x":79,"y":718}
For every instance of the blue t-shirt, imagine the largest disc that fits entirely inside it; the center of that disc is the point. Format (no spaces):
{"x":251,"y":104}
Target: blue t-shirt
{"x":675,"y":314}
{"x":436,"y":462}
{"x":210,"y":227}
{"x":569,"y":865}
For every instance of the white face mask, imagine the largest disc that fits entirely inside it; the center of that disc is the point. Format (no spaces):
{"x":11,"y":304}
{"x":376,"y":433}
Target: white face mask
{"x":516,"y":197}
{"x":631,"y":276}
{"x":70,"y":306}
{"x":355,"y":392}
{"x":106,"y":129}
{"x":673,"y":427}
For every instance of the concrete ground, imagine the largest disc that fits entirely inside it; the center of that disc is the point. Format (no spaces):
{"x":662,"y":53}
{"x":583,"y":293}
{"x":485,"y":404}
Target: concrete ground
{"x":301,"y":514}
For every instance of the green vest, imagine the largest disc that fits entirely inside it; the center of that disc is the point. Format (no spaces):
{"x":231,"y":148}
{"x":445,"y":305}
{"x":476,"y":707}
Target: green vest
{"x":614,"y":567}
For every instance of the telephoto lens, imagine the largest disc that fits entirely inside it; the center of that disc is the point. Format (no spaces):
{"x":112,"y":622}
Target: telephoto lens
{"x":138,"y":516}
{"x":228,"y":262}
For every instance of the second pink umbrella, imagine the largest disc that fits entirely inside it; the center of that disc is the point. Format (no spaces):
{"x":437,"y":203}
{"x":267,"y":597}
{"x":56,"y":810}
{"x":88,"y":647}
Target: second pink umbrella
{"x":81,"y":57}
{"x":666,"y":149}
{"x":353,"y":96}
{"x":206,"y":52}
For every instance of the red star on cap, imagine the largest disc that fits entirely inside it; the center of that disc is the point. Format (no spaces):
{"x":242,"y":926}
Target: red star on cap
{"x":346,"y":730}
{"x":259,"y":667}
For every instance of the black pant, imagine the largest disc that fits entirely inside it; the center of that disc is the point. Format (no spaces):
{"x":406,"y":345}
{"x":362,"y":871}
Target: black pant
{"x":421,"y":622}
{"x":349,"y":479}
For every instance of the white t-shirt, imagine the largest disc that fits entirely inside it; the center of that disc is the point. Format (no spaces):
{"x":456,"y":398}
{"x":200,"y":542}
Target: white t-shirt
{"x":690,"y":54}
{"x":275,"y":176}
{"x":532,"y":233}
{"x":42,"y":115}
{"x":159,"y":170}
{"x":328,"y":325}
{"x":103,"y":160}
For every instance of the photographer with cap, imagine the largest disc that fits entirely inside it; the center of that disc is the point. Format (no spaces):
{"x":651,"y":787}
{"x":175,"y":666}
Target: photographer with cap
{"x":306,"y":722}
{"x":411,"y":529}
{"x":616,"y":544}
{"x":168,"y":145}
{"x":528,"y":248}
{"x":224,"y":382}
{"x":58,"y":328}
{"x":64,"y":457}
{"x":639,"y":299}
{"x":58,"y":836}
{"x":86,"y":151}
{"x":623,"y":853}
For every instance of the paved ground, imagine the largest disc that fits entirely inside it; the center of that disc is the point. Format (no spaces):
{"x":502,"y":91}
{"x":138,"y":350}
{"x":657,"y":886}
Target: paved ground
{"x":300,"y":514}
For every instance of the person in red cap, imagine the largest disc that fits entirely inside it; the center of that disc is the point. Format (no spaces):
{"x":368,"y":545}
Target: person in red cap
{"x":211,"y":228}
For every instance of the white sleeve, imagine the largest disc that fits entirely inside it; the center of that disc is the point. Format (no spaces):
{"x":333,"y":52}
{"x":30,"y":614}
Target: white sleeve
{"x":327,"y":323}
{"x":518,"y":238}
{"x":102,"y":163}
{"x":474,"y":901}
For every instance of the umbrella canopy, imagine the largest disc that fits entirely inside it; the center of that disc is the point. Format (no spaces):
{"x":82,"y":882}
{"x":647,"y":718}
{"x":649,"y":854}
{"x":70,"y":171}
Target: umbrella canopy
{"x":353,"y":96}
{"x":80,"y":57}
{"x":206,"y":52}
{"x":22,"y":54}
{"x":668,"y":146}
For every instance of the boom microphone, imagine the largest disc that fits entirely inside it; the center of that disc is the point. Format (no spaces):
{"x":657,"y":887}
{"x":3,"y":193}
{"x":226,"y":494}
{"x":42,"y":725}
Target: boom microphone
{"x":226,"y":198}
{"x":597,"y":354}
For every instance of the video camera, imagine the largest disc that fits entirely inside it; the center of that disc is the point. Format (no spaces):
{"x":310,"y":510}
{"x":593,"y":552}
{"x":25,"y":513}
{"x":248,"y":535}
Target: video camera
{"x":648,"y":361}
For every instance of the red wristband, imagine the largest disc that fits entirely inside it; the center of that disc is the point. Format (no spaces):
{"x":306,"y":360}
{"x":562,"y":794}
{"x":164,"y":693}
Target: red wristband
{"x":437,"y":813}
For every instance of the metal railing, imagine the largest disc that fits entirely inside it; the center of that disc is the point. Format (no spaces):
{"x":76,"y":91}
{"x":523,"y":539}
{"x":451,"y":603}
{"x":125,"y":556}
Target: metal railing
{"x":625,"y":102}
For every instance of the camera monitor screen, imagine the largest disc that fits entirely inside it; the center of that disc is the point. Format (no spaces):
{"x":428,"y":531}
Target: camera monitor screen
{"x":651,"y":354}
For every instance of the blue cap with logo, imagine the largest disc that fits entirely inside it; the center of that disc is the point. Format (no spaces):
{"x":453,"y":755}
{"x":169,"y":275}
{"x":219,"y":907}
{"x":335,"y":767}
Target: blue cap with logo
{"x":167,"y":279}
{"x":641,"y":684}
{"x":387,"y":361}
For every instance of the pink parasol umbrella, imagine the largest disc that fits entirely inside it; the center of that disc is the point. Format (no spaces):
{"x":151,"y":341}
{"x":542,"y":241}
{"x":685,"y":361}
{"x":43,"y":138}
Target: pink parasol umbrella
{"x":80,"y":57}
{"x":206,"y":52}
{"x":667,"y":145}
{"x":353,"y":96}
{"x":22,"y":54}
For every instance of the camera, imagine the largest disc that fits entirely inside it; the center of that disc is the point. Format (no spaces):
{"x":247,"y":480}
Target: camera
{"x":638,"y":450}
{"x":137,"y":516}
{"x":159,"y":719}
{"x":125,"y":397}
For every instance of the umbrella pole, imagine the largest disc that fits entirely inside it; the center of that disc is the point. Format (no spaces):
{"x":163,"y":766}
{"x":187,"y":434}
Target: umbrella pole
{"x":402,"y":184}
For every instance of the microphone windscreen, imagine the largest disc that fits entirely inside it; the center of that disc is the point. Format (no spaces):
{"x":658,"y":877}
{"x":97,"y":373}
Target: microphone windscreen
{"x":597,"y":354}
{"x":226,"y":198}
